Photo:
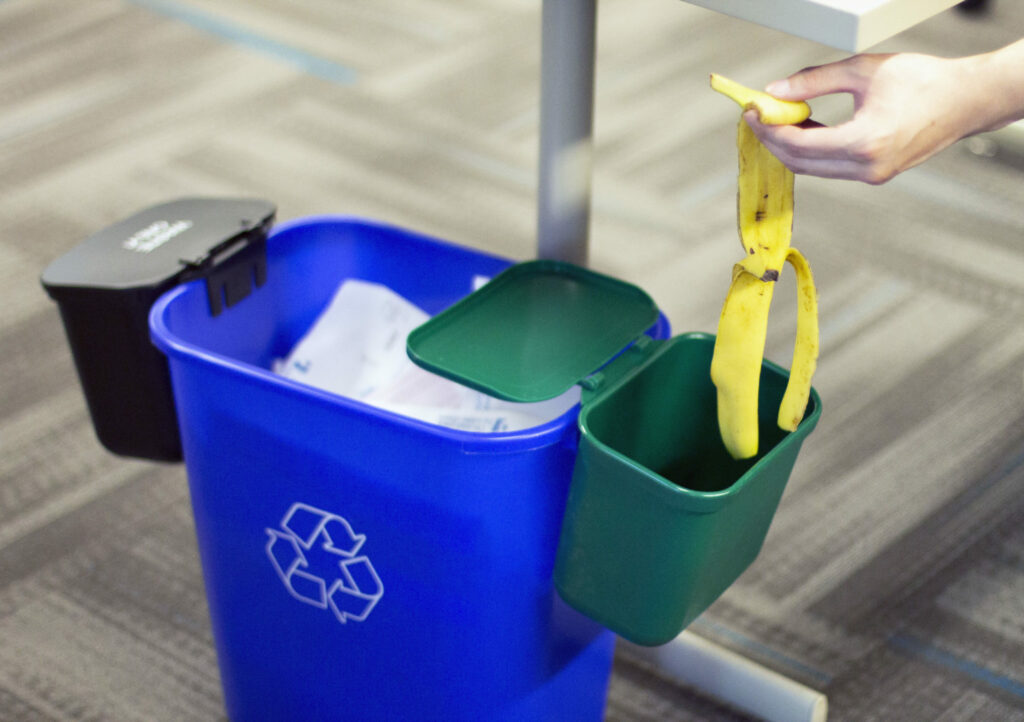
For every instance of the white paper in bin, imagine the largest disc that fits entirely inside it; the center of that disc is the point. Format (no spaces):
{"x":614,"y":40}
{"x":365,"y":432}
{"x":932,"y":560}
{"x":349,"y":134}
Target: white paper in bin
{"x":356,"y":348}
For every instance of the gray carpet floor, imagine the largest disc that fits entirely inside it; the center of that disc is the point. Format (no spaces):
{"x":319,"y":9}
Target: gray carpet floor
{"x":892,"y":578}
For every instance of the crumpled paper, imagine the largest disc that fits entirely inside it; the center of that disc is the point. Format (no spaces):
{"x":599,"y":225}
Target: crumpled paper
{"x":356,"y":348}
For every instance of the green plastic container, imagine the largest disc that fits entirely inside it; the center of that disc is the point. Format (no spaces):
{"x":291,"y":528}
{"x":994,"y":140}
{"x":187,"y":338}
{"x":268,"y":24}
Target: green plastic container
{"x":660,"y":520}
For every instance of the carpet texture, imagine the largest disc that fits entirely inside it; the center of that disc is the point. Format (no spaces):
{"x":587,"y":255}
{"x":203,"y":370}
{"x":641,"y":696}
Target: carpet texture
{"x":892,"y":578}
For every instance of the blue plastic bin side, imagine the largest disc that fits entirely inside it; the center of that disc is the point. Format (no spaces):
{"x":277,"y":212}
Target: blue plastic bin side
{"x":359,"y":565}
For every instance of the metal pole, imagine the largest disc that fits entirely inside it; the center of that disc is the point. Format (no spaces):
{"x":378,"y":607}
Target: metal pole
{"x":566,"y":127}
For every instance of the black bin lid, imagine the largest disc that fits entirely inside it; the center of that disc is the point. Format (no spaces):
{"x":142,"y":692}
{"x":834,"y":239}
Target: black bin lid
{"x":157,"y":244}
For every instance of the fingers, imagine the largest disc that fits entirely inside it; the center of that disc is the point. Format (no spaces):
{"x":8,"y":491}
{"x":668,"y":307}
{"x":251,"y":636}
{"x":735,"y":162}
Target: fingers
{"x":814,"y":149}
{"x":844,"y":76}
{"x":809,"y":139}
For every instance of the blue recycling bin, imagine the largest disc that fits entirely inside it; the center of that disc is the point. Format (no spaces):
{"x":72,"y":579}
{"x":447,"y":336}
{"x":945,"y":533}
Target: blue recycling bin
{"x":361,"y":565}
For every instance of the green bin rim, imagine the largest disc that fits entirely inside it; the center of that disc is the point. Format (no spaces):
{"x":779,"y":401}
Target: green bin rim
{"x":668,"y":492}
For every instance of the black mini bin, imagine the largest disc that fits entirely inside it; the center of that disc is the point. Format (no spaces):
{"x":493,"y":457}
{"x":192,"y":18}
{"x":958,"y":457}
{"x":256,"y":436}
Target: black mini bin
{"x":104,"y":288}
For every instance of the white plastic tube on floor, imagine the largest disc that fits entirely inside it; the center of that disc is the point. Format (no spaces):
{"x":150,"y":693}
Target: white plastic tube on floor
{"x":733,"y":679}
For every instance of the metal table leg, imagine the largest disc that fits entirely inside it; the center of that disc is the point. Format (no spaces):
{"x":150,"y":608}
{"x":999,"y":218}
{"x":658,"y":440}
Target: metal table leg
{"x":566,"y":127}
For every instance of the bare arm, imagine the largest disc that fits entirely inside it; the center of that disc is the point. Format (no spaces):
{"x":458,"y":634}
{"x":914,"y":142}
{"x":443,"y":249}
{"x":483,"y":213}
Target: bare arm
{"x":907,"y":107}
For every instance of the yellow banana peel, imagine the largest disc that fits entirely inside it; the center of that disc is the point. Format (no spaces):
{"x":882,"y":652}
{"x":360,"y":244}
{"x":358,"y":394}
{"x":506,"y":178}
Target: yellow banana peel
{"x":764,"y":206}
{"x":770,"y":110}
{"x":736,"y":362}
{"x":805,"y":350}
{"x":765,"y":221}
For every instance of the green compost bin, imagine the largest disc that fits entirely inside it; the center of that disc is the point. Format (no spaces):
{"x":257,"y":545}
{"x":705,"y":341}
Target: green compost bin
{"x":660,"y":520}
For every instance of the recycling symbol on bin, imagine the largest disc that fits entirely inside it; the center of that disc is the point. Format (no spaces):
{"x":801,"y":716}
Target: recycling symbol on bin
{"x":316,"y":555}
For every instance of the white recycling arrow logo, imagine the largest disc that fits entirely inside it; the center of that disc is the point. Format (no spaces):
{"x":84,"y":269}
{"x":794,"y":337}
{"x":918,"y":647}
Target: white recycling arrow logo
{"x":315,"y":554}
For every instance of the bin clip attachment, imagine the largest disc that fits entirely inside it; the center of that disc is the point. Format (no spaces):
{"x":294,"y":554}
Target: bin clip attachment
{"x":628,"y":361}
{"x":232,"y":269}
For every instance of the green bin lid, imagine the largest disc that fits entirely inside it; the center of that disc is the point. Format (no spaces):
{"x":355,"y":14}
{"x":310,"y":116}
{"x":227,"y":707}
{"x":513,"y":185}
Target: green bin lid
{"x":533,"y":331}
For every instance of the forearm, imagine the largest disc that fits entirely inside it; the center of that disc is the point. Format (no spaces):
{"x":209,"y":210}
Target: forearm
{"x":998,"y":81}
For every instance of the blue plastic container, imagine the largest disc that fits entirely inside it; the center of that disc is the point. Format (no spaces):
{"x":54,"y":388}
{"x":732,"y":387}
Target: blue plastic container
{"x":361,"y":565}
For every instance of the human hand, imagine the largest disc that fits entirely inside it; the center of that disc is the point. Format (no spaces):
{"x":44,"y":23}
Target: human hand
{"x":907,"y":107}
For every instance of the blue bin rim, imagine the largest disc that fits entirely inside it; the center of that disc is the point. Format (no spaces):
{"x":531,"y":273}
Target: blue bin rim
{"x":174,"y":346}
{"x":344,"y":219}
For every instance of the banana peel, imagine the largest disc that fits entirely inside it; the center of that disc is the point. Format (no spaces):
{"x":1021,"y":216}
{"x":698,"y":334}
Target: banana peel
{"x":764,"y":206}
{"x":736,"y":362}
{"x":770,"y":110}
{"x":805,"y":349}
{"x":765,"y":221}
